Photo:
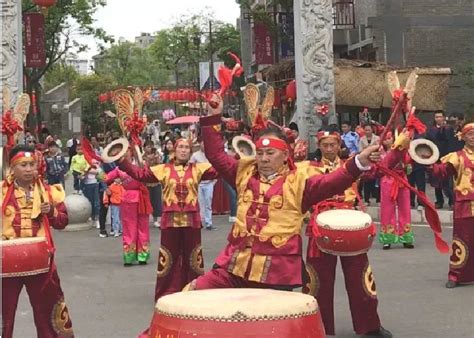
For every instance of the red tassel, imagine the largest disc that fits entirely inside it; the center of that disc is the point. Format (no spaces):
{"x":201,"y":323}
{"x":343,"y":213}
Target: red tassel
{"x":89,"y":153}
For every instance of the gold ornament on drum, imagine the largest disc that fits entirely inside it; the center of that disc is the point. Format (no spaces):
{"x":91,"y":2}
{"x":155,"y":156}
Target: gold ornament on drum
{"x":197,"y":260}
{"x":460,"y":254}
{"x":165,"y":261}
{"x":60,"y":319}
{"x":369,"y":281}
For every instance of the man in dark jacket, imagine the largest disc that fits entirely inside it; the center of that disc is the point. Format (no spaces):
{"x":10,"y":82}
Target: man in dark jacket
{"x":443,"y":136}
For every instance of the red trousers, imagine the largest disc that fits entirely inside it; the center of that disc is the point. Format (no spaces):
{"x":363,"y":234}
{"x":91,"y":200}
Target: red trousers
{"x":360,"y":286}
{"x":461,"y":265}
{"x":49,"y":309}
{"x":180,"y":260}
{"x":219,"y":278}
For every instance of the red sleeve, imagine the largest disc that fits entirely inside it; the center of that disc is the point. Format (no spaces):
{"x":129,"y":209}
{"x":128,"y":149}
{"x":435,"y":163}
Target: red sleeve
{"x":321,"y":187}
{"x":224,"y":164}
{"x":442,"y":171}
{"x":210,"y":174}
{"x":144,"y":175}
{"x":111,"y":176}
{"x":393,"y":157}
{"x":58,"y":218}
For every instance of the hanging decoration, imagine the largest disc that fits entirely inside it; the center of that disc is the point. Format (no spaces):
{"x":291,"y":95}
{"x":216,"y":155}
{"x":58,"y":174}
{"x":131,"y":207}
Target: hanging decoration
{"x":44,"y":5}
{"x":322,"y":109}
{"x":290,"y":91}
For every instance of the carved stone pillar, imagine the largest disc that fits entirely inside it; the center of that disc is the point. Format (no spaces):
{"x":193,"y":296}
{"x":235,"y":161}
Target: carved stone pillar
{"x":313,"y":65}
{"x":11,"y":61}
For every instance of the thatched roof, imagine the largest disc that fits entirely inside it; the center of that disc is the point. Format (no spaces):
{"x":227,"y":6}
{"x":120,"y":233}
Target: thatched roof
{"x":364,"y":84}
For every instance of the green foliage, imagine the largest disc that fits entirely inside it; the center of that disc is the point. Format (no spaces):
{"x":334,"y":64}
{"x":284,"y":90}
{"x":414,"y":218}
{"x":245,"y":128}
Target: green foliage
{"x":88,"y":88}
{"x":65,"y":20}
{"x":129,"y":65}
{"x":468,"y":74}
{"x":59,"y":73}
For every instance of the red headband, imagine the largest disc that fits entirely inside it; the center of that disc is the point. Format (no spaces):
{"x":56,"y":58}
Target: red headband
{"x":325,"y":134}
{"x":276,"y":143}
{"x":467,"y":128}
{"x":180,"y":140}
{"x":22,"y":156}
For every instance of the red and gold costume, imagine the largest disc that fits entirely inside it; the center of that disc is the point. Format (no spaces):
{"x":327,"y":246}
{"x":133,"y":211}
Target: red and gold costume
{"x":180,"y":258}
{"x":265,"y":245}
{"x":22,"y":218}
{"x":460,"y":165}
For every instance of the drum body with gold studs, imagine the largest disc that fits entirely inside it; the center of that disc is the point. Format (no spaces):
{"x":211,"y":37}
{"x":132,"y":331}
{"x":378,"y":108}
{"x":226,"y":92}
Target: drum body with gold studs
{"x":344,"y":232}
{"x":25,"y":257}
{"x":236,"y":313}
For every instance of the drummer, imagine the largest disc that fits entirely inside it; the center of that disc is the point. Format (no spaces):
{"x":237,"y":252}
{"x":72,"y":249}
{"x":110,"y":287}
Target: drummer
{"x":265,"y":246}
{"x":28,"y":204}
{"x":321,"y":266}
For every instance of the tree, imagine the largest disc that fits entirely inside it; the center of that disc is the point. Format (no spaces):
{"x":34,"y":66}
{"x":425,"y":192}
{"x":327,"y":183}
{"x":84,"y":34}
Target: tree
{"x":59,"y":73}
{"x":129,"y":65}
{"x":64,"y":20}
{"x":88,"y":88}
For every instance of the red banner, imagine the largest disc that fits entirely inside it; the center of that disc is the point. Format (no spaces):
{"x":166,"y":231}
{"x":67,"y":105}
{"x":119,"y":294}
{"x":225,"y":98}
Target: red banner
{"x":263,"y":44}
{"x":35,"y":53}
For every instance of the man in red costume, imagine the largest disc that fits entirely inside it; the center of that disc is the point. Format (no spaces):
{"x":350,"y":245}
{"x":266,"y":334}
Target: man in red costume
{"x":180,"y":258}
{"x":29,"y":206}
{"x":265,"y":246}
{"x":460,"y":165}
{"x":360,"y":284}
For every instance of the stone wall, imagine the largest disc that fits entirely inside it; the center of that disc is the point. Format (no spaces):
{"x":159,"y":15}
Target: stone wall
{"x":428,"y":33}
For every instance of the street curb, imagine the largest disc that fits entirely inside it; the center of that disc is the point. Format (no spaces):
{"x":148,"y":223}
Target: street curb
{"x":417,"y":216}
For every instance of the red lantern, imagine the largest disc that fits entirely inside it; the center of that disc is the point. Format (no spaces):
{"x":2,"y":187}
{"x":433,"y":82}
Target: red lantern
{"x":173,"y":96}
{"x":192,"y":96}
{"x":103,"y":97}
{"x":44,"y":5}
{"x":164,"y":95}
{"x":291,"y":91}
{"x":180,"y":95}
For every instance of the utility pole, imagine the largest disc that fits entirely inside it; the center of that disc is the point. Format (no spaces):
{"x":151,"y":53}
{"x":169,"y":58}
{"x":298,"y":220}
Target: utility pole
{"x":211,"y":63}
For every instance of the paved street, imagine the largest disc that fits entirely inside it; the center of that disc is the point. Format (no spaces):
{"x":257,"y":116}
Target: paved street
{"x":108,"y":300}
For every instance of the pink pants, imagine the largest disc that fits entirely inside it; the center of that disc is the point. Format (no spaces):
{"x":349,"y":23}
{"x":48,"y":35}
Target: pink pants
{"x":50,"y":312}
{"x":388,"y":207}
{"x":136,"y":233}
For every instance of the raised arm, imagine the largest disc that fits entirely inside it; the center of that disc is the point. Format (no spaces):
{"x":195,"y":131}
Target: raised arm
{"x":58,"y":217}
{"x":224,"y":164}
{"x":144,"y":175}
{"x":321,"y":187}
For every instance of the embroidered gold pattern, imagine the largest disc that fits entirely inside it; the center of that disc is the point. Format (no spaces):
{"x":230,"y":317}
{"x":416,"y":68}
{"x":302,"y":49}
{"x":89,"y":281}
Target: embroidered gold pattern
{"x":60,"y":319}
{"x":196,"y":260}
{"x":165,"y":261}
{"x":460,"y":254}
{"x":369,"y":282}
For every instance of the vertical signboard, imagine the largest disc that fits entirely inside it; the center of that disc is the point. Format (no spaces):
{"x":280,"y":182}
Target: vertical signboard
{"x":263,"y":44}
{"x":35,"y":55}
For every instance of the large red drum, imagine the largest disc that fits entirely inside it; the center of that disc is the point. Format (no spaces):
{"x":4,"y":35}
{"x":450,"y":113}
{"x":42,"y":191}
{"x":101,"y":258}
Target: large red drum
{"x":237,"y":313}
{"x":344,"y":232}
{"x":24,"y":257}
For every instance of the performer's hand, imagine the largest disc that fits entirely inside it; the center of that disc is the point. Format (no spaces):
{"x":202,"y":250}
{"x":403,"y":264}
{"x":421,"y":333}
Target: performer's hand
{"x":215,"y":106}
{"x":45,"y":208}
{"x":369,"y":155}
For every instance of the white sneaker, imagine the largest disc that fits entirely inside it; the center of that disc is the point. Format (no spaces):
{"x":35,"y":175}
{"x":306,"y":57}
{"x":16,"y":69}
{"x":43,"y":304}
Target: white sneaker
{"x":232,"y":219}
{"x":156,"y":224}
{"x":116,"y":234}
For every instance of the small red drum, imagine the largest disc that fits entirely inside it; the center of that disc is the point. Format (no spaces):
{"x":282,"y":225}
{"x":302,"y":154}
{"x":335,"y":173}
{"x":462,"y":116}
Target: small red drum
{"x":344,"y":232}
{"x":236,"y":313}
{"x":24,"y":257}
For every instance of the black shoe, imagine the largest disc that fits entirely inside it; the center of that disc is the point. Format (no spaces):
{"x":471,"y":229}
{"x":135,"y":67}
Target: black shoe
{"x":412,"y":204}
{"x":103,"y":235}
{"x":408,"y":246}
{"x":450,"y":284}
{"x":438,"y":206}
{"x":142,"y":263}
{"x":386,"y":246}
{"x":383,"y":333}
{"x":210,"y":227}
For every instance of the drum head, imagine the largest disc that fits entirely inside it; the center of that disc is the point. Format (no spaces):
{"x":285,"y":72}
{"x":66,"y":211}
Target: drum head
{"x":115,"y":150}
{"x":246,"y":304}
{"x":243,"y":146}
{"x":344,"y":219}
